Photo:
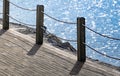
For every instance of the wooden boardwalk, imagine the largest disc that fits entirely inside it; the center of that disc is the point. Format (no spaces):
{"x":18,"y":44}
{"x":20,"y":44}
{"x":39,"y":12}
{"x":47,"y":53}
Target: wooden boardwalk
{"x":20,"y":56}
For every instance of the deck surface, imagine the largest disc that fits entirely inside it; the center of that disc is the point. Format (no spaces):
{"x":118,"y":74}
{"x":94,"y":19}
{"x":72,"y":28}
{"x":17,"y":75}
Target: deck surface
{"x":20,"y":56}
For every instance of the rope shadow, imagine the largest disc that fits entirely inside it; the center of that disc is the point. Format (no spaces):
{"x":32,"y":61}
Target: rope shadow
{"x":34,"y":50}
{"x":77,"y":67}
{"x":2,"y":31}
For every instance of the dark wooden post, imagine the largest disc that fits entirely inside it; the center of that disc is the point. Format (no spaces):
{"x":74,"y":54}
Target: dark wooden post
{"x":39,"y":24}
{"x":5,"y":14}
{"x":81,"y":49}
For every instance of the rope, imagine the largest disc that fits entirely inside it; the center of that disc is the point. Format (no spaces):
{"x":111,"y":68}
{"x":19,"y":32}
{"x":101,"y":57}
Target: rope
{"x":102,"y":34}
{"x":43,"y":29}
{"x":22,"y":7}
{"x":60,"y":37}
{"x":20,"y":21}
{"x":63,"y":38}
{"x":101,"y":53}
{"x":57,"y":19}
{"x":43,"y":13}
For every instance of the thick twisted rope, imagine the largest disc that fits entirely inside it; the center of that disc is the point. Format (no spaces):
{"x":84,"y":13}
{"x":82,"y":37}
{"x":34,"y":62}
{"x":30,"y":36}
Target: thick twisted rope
{"x":102,"y":34}
{"x":20,"y":21}
{"x":42,"y":28}
{"x":101,"y":53}
{"x":42,"y":12}
{"x":60,"y":37}
{"x":63,"y":38}
{"x":22,"y":7}
{"x":57,"y":19}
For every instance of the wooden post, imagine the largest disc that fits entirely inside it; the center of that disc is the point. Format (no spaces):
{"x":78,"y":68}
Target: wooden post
{"x":5,"y":14}
{"x":39,"y":24}
{"x":81,"y":49}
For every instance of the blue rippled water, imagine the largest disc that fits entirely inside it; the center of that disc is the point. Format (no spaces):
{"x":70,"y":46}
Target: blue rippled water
{"x":102,"y":16}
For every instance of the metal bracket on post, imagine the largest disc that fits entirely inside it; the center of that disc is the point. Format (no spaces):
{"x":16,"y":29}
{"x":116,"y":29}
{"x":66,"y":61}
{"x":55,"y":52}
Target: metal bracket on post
{"x":5,"y":14}
{"x":39,"y":24}
{"x":81,"y":49}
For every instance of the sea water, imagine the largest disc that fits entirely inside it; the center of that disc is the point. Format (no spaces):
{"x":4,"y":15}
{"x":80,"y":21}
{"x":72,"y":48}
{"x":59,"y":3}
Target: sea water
{"x":102,"y":16}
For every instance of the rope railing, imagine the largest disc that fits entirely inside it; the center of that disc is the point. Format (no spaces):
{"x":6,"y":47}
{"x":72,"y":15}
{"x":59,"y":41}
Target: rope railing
{"x":60,"y":37}
{"x":58,"y":19}
{"x":42,"y":12}
{"x":22,"y":7}
{"x":102,"y":34}
{"x":101,"y":53}
{"x":88,"y":47}
{"x":22,"y":23}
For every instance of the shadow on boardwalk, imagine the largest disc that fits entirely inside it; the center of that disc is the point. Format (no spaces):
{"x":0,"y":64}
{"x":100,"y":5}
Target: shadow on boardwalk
{"x":34,"y":50}
{"x":77,"y":67}
{"x":2,"y":31}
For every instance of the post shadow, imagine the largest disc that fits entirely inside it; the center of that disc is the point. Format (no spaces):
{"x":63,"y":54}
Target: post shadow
{"x":77,"y":67}
{"x":34,"y":50}
{"x":2,"y":31}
